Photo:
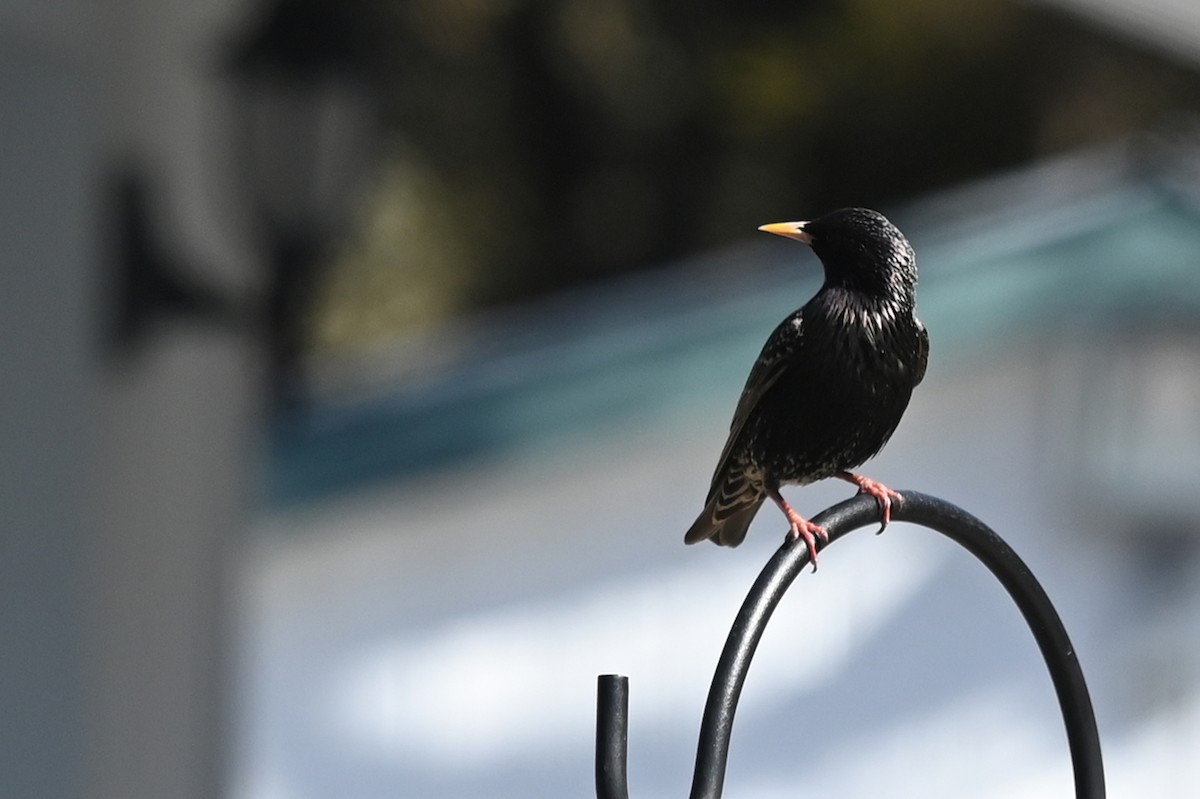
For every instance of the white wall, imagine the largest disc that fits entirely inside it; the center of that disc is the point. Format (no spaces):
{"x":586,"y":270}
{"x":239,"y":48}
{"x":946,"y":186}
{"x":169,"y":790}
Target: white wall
{"x":124,"y":488}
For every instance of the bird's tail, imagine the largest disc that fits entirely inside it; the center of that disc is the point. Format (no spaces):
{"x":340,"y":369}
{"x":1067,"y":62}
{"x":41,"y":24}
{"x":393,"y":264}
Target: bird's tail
{"x":725,"y":527}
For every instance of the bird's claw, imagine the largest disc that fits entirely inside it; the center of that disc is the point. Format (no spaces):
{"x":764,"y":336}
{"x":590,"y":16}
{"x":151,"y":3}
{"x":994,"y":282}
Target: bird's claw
{"x":883,"y":495}
{"x":800,"y":527}
{"x":803,"y":528}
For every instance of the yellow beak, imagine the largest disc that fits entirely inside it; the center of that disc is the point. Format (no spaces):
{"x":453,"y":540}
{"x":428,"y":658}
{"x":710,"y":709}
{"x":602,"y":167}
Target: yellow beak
{"x":793,"y":230}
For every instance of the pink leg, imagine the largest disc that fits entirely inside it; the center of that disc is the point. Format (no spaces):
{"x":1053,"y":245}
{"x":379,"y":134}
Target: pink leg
{"x":883,"y":495}
{"x":800,"y":527}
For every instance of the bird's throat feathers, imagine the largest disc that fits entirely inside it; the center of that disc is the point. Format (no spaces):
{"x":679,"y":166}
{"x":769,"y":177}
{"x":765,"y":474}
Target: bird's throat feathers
{"x":843,"y":311}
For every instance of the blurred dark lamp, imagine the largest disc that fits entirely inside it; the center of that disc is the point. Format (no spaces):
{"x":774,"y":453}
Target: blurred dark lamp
{"x":307,"y":116}
{"x":307,"y":122}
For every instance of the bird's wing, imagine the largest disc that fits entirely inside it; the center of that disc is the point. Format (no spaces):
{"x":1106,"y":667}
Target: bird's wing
{"x":922,"y":354}
{"x":771,"y":363}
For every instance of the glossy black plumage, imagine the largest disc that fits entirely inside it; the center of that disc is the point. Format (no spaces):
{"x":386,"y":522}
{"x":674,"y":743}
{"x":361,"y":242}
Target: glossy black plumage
{"x":832,"y":381}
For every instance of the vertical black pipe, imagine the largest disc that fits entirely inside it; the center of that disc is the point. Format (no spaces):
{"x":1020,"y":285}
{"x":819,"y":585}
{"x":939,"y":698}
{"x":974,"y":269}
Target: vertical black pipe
{"x":612,"y":736}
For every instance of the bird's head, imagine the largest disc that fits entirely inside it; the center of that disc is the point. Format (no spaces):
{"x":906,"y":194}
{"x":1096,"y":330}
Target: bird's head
{"x":860,"y":250}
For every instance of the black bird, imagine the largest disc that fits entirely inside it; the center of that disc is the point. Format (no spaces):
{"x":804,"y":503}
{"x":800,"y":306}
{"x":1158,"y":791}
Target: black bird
{"x":831,"y":383}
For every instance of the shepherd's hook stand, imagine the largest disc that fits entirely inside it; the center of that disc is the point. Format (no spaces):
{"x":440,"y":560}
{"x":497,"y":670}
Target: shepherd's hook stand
{"x":612,"y":706}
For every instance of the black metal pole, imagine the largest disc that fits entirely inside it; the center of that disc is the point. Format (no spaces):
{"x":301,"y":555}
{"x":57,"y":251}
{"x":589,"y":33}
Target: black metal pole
{"x":975,"y":536}
{"x":612,"y":736}
{"x":1083,"y":737}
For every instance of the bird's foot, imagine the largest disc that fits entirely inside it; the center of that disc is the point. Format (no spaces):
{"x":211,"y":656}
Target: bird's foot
{"x":800,"y":527}
{"x":883,"y":495}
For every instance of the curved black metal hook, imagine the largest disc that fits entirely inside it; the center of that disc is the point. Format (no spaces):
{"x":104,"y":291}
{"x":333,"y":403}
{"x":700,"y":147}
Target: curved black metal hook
{"x":976,"y":537}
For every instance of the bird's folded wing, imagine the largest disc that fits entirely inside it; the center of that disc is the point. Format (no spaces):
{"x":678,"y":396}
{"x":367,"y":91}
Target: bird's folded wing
{"x":772,"y":362}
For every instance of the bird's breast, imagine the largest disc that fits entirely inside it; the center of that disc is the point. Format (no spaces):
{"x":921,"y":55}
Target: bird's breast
{"x":848,"y":384}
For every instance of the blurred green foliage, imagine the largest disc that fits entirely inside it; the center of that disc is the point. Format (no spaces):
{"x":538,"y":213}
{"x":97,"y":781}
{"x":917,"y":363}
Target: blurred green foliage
{"x":535,"y":144}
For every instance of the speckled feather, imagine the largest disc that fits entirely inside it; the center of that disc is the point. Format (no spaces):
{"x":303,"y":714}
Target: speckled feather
{"x":833,"y":379}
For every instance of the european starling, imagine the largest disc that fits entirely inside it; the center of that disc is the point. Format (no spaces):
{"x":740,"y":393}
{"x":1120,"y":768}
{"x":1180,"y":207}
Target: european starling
{"x":831,"y":383}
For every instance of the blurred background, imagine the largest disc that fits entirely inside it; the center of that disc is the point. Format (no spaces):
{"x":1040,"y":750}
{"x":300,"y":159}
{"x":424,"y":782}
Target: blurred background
{"x":365,"y":362}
